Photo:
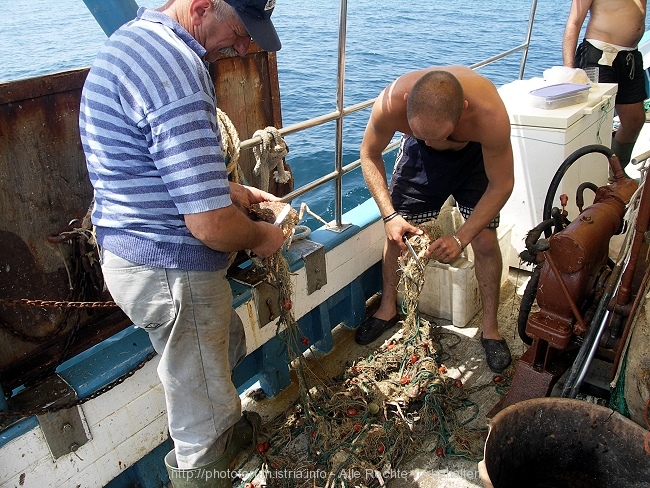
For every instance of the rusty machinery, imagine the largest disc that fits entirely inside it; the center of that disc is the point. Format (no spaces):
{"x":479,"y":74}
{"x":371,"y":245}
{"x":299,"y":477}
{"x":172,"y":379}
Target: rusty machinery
{"x":584,"y":298}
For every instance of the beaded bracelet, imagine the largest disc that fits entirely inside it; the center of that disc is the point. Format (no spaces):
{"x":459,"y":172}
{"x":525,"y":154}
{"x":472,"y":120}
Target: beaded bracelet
{"x":460,"y":244}
{"x":390,"y":217}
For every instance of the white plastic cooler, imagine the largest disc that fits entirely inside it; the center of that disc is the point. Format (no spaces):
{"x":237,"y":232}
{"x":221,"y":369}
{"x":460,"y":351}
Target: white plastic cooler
{"x":541,"y":141}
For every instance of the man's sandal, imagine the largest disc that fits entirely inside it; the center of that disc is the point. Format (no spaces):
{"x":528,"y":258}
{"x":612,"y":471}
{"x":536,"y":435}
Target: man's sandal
{"x":371,"y":328}
{"x":497,"y":354}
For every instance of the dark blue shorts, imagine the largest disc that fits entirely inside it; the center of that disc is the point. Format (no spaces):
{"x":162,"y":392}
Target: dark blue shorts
{"x":424,"y":178}
{"x":626,"y":70}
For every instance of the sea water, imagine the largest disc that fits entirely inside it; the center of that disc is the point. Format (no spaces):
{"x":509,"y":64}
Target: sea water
{"x":383,"y":40}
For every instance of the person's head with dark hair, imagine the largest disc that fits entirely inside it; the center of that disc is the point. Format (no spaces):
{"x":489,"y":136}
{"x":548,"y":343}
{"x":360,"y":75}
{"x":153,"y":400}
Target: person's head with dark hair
{"x":434,"y":105}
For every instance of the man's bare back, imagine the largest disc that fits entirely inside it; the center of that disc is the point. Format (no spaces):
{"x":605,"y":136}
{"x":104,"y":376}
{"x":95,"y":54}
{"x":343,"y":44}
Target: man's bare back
{"x":484,"y":120}
{"x":484,"y":104}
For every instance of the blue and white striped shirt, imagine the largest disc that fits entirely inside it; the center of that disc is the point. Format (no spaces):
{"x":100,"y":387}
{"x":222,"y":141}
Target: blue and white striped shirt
{"x":153,"y":148}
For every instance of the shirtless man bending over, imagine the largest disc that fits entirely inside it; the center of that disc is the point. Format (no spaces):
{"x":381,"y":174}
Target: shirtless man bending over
{"x":456,"y":141}
{"x":613,"y":31}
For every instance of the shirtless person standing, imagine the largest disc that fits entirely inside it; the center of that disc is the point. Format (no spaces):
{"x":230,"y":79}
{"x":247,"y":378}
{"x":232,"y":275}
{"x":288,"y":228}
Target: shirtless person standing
{"x":614,"y":29}
{"x":456,"y":141}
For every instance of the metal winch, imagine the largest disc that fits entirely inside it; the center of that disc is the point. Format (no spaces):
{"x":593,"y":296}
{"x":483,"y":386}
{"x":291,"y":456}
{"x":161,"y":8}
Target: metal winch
{"x":573,"y":282}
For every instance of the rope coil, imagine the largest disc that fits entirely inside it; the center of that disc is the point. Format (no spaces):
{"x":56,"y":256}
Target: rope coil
{"x":270,"y":154}
{"x":230,"y":146}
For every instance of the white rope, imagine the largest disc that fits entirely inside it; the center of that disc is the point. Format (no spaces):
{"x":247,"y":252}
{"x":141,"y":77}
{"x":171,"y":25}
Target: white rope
{"x":268,"y":155}
{"x":300,"y":232}
{"x":230,"y":146}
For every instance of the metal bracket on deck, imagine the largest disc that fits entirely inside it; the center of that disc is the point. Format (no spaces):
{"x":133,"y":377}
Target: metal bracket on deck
{"x":267,"y":298}
{"x":313,"y":254}
{"x":64,"y":429}
{"x":331,"y":226}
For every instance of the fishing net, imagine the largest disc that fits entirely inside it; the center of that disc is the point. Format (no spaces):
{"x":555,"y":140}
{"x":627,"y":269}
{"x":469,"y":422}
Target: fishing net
{"x":358,"y":427}
{"x":617,"y":399}
{"x":269,"y":212}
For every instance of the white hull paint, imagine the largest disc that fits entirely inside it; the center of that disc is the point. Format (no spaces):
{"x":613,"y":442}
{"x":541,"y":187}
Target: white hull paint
{"x":125,"y":423}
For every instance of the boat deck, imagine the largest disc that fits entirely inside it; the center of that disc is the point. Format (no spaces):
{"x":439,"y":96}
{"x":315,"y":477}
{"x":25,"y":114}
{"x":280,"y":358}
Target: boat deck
{"x":464,"y":361}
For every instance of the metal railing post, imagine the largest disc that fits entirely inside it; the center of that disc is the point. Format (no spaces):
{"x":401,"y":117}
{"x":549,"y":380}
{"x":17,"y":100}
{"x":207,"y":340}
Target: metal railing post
{"x":340,"y":89}
{"x":524,"y":56}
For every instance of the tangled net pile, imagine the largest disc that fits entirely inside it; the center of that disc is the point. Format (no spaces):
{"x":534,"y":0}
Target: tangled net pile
{"x":381,"y":410}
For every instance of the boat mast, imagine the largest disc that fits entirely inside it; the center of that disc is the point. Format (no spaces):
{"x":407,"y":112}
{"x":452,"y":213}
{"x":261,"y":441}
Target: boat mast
{"x":111,"y":14}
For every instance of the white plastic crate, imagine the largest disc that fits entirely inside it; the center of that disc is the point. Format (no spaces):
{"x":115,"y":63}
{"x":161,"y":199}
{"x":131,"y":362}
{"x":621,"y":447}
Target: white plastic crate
{"x":451,"y":292}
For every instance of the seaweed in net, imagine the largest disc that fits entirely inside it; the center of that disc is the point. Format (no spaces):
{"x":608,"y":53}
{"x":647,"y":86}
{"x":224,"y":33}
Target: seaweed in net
{"x":361,"y":425}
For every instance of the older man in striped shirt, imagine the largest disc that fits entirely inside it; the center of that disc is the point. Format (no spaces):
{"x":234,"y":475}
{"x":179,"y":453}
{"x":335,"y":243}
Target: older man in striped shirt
{"x":166,"y":215}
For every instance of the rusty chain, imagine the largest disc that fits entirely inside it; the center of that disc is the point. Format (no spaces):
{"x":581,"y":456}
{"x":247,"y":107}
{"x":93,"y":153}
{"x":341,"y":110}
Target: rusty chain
{"x":85,"y":267}
{"x":59,"y":237}
{"x":79,"y":401}
{"x":26,"y":302}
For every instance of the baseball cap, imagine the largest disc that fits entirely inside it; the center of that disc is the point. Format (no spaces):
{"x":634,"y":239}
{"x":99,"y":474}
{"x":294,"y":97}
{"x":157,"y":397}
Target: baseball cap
{"x":256,"y":17}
